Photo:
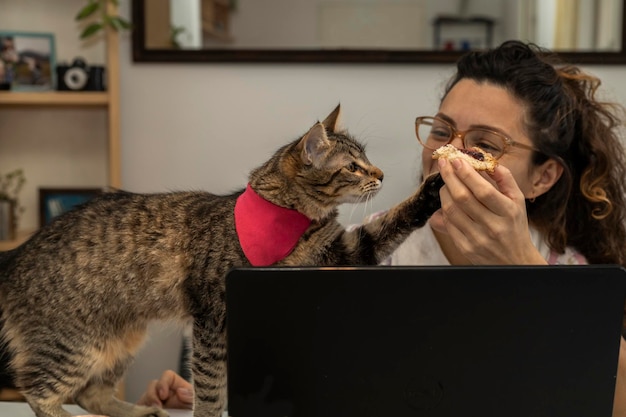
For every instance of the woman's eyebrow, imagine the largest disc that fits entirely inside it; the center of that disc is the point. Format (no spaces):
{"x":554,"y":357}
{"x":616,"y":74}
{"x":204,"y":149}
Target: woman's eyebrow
{"x":446,"y":118}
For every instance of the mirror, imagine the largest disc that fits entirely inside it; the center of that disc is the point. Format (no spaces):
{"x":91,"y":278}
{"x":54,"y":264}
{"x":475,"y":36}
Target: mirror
{"x":352,"y":31}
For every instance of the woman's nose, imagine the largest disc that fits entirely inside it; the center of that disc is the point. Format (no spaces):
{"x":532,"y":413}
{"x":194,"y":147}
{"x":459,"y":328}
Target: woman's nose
{"x":457,"y":141}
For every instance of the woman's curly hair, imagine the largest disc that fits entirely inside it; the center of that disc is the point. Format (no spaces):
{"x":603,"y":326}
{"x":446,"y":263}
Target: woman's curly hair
{"x":566,"y":121}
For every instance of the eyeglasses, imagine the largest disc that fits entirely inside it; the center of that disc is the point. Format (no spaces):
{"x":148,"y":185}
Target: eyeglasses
{"x":433,"y":132}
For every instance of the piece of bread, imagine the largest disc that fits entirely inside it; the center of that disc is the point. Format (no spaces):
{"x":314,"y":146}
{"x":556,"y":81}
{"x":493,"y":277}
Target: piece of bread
{"x":476,"y":157}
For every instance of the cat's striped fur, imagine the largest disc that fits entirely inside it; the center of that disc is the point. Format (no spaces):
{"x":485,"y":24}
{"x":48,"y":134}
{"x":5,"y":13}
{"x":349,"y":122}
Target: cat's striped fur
{"x":77,"y":297}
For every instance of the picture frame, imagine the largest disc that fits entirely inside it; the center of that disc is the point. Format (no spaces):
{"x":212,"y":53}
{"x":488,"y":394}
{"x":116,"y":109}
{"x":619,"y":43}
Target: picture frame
{"x":55,"y":201}
{"x":27,"y":61}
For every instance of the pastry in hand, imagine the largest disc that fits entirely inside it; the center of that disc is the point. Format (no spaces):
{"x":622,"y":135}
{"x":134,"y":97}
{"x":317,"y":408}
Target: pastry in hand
{"x":476,"y":157}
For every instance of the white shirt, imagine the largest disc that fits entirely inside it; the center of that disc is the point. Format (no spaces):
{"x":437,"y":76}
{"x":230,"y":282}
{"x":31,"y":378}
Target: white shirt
{"x":422,"y":248}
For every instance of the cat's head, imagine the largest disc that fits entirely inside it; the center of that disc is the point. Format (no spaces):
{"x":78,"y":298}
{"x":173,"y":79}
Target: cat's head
{"x":326,"y":167}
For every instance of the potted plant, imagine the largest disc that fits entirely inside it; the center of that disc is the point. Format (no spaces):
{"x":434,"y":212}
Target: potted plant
{"x":11,"y":184}
{"x":97,"y":13}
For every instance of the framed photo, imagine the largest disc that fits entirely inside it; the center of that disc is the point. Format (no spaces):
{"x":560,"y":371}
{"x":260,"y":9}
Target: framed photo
{"x":27,"y":60}
{"x":56,"y":201}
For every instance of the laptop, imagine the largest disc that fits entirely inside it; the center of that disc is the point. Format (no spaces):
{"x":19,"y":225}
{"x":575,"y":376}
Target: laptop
{"x":424,"y":341}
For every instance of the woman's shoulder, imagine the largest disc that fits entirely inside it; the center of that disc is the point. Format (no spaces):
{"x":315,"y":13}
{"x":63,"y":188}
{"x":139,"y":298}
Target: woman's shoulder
{"x":570,"y":255}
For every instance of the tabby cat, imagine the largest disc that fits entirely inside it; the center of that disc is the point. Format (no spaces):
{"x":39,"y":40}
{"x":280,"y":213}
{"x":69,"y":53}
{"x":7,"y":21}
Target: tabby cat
{"x":78,"y":295}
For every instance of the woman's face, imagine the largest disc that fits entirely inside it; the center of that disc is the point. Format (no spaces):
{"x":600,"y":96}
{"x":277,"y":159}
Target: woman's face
{"x":470,"y":104}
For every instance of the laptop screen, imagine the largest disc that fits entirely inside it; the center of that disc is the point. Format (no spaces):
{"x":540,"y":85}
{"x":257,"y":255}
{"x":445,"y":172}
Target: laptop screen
{"x":423,"y":341}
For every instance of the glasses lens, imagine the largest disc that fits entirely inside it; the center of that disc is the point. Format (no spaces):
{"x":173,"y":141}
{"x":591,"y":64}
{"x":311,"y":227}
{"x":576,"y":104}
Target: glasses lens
{"x":432,"y":133}
{"x":487,"y":141}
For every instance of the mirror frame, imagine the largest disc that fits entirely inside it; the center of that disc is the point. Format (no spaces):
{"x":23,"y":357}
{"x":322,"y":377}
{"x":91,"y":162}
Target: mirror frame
{"x":141,"y":54}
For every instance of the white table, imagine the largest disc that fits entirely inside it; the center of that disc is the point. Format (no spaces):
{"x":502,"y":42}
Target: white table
{"x":21,"y":409}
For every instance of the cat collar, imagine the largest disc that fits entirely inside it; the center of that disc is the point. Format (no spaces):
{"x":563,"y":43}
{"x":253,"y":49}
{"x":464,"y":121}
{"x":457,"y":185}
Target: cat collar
{"x":267,"y":232}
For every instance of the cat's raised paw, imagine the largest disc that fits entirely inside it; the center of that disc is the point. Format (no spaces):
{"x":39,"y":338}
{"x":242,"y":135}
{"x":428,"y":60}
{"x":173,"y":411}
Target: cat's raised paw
{"x":432,"y":184}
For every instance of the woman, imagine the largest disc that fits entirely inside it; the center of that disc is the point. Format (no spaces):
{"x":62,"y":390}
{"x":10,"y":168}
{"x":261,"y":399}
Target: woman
{"x":562,"y":167}
{"x":558,"y":194}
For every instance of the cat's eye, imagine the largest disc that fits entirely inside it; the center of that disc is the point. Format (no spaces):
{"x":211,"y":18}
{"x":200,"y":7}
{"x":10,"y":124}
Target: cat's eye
{"x":353,"y":167}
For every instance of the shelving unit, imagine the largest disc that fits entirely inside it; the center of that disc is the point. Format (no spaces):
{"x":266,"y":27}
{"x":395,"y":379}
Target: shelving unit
{"x":69,"y":101}
{"x":54,"y":98}
{"x":10,"y":244}
{"x":108,"y":100}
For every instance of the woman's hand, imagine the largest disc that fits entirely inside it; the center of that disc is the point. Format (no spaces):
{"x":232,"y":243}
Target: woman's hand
{"x":486,"y":219}
{"x":170,"y":391}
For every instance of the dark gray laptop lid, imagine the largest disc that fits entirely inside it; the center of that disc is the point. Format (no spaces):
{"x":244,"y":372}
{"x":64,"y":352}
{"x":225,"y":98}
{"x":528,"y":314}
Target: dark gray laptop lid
{"x":423,"y":341}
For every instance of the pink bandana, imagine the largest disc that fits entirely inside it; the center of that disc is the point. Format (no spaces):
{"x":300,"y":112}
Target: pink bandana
{"x":267,"y":232}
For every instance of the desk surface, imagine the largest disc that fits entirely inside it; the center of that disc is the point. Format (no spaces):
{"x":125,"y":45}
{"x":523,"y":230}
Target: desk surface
{"x":21,"y":409}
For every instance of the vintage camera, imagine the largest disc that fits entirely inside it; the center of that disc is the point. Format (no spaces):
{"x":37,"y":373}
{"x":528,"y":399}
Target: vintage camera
{"x":80,"y":77}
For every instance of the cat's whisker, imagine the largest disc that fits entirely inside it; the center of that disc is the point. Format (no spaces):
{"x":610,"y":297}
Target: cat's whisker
{"x":370,"y":208}
{"x":355,"y":206}
{"x":370,"y":203}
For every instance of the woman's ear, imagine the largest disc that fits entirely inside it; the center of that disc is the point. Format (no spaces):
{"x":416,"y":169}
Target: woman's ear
{"x":545,"y":176}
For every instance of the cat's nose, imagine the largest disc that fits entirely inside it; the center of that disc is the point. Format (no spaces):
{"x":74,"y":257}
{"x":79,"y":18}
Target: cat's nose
{"x":378,"y":174}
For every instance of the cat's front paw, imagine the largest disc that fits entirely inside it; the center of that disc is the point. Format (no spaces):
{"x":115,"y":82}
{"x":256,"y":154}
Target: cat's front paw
{"x":430,"y":189}
{"x":152,"y":412}
{"x":432,"y":184}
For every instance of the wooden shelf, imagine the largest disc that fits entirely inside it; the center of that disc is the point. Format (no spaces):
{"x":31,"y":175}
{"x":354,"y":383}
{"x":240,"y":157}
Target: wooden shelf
{"x":10,"y":394}
{"x":10,"y":244}
{"x":54,"y":98}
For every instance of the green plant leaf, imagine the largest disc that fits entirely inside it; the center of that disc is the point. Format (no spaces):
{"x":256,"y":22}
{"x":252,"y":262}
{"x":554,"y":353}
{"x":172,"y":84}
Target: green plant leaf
{"x":106,"y":20}
{"x":88,"y":10}
{"x":119,"y":23}
{"x":125,"y":23}
{"x":91,"y":30}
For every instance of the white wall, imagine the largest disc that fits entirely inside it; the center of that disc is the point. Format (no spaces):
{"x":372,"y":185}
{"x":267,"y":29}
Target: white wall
{"x":207,"y":126}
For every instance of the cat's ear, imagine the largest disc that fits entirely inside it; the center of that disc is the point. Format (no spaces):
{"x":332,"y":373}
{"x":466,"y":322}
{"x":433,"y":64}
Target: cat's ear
{"x":330,"y":122}
{"x":314,"y":144}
